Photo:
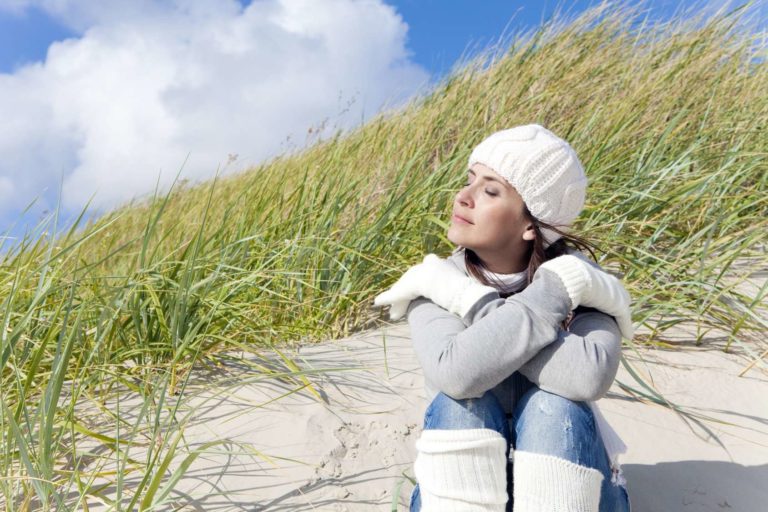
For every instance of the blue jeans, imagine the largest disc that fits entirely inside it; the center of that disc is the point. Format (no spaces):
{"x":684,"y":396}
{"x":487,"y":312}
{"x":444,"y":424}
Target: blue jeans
{"x":543,"y":423}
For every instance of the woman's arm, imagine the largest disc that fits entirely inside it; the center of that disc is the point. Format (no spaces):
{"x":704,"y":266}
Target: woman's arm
{"x":582,"y":362}
{"x":463,"y":358}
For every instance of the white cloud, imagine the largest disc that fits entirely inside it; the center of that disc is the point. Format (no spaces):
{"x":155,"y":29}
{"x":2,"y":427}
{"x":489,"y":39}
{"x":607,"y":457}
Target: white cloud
{"x":149,"y":82}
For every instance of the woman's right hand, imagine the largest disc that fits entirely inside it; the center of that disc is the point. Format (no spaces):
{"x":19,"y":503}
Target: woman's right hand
{"x":589,"y":286}
{"x":438,"y":280}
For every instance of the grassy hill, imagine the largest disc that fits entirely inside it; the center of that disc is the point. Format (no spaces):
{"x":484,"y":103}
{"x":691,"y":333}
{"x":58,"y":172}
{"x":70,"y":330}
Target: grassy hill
{"x":670,"y":122}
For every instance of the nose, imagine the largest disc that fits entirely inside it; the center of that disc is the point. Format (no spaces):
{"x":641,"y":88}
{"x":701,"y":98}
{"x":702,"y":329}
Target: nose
{"x":464,"y":197}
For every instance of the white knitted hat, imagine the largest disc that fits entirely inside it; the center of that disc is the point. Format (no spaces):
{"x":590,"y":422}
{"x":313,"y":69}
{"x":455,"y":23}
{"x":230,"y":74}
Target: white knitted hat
{"x":544,"y":170}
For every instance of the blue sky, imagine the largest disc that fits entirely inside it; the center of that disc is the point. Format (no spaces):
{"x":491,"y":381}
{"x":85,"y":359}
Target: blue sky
{"x":439,"y":31}
{"x":104,"y":101}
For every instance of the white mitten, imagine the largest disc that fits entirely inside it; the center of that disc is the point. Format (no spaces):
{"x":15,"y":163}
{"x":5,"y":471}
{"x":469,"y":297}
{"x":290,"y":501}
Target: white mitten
{"x":438,"y":280}
{"x":588,"y":286}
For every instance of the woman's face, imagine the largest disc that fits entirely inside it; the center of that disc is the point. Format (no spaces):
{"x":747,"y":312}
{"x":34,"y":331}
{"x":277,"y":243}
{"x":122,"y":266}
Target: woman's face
{"x":488,"y":217}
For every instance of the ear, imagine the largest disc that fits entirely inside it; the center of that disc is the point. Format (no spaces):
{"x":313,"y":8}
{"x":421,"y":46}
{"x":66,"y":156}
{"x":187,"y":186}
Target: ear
{"x":529,"y":233}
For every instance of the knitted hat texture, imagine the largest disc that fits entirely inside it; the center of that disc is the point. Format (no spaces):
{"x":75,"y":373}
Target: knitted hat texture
{"x":544,"y":170}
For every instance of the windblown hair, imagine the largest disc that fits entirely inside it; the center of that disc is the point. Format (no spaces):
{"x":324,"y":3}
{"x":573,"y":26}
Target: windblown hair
{"x":536,"y":252}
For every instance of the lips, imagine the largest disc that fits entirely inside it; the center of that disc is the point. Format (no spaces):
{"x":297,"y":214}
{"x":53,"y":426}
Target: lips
{"x":459,"y":219}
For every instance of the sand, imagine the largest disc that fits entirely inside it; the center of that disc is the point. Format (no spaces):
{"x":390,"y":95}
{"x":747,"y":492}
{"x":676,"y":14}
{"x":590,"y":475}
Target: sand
{"x":351,"y":449}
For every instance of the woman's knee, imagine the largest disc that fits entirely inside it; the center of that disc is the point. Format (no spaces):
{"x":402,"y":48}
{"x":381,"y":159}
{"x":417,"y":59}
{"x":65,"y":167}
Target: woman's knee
{"x":551,"y":424}
{"x":448,"y":413}
{"x":546,"y":406}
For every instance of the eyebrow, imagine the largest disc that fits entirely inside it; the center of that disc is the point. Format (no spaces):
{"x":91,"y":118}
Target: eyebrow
{"x":487,"y":178}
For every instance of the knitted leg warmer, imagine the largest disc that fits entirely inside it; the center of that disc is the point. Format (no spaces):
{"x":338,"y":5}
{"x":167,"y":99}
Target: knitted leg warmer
{"x":545,"y":483}
{"x":461,"y":470}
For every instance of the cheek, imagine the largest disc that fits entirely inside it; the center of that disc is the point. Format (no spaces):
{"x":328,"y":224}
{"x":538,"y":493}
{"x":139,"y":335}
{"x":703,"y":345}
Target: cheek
{"x":501,"y":222}
{"x":500,"y":215}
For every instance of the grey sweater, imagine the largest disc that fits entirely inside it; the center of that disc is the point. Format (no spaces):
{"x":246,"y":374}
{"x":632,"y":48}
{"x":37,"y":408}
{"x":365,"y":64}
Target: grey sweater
{"x":508,"y":345}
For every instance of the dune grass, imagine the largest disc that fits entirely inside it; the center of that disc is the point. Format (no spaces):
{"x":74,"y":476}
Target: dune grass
{"x":670,"y":121}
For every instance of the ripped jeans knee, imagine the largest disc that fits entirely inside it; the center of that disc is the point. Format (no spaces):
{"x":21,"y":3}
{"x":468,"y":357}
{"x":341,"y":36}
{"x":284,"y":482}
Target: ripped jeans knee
{"x":552,"y":425}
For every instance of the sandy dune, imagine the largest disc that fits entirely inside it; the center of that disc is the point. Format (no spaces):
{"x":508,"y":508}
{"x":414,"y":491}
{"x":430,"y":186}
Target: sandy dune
{"x":351,"y":450}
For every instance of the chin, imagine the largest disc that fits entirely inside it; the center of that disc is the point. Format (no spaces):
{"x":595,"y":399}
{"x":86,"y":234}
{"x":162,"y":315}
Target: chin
{"x":454,"y":237}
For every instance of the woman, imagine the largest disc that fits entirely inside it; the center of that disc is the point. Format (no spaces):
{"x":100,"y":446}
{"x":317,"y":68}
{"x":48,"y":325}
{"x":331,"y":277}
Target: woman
{"x":517,"y":333}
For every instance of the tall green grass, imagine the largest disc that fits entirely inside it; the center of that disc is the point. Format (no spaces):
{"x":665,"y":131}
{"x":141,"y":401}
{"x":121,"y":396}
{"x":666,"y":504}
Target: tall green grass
{"x":670,"y":121}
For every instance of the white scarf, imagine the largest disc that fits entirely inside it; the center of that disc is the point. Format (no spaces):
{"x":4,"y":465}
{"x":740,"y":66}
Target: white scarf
{"x":505,"y":283}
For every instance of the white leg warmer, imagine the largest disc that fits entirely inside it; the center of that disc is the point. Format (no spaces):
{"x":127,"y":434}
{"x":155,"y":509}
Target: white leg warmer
{"x":462,"y":470}
{"x":544,"y":483}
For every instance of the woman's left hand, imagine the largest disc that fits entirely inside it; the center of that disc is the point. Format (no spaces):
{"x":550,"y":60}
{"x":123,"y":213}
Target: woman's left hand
{"x":438,"y":280}
{"x":588,"y":286}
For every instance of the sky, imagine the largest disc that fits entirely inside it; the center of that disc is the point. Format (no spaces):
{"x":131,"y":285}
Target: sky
{"x":105,"y":101}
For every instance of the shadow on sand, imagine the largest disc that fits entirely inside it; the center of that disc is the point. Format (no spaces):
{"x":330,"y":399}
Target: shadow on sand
{"x":697,"y":486}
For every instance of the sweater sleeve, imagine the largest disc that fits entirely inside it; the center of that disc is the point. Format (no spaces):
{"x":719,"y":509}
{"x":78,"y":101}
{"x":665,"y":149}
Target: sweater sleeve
{"x":582,"y":362}
{"x":463,"y":358}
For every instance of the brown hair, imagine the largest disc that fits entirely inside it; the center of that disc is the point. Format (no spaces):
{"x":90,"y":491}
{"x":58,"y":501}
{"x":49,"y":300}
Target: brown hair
{"x":537,"y":254}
